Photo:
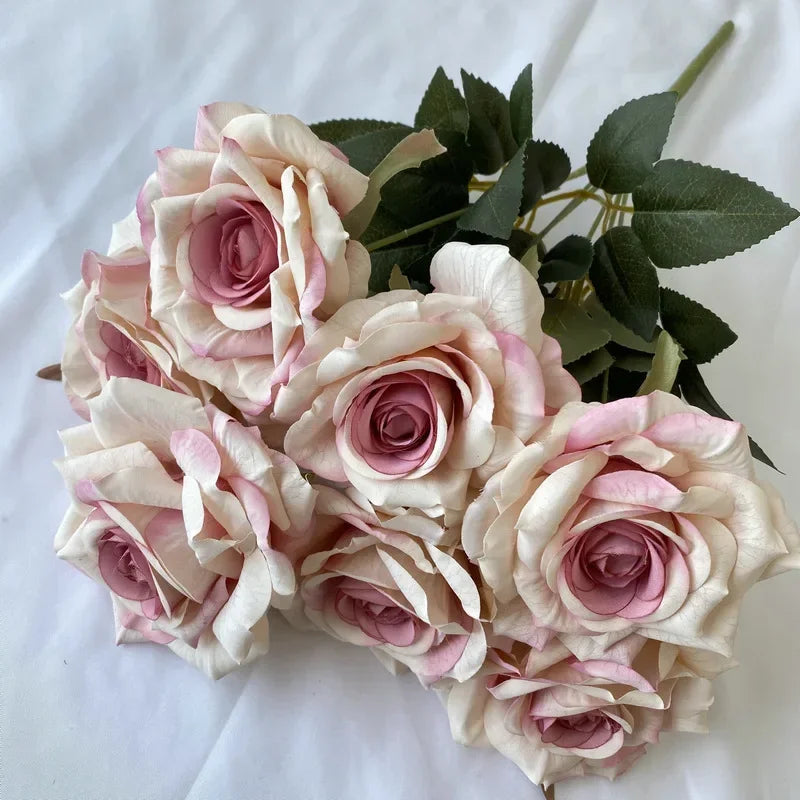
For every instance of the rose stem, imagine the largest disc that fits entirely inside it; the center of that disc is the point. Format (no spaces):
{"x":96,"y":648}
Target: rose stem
{"x":681,"y":86}
{"x":687,"y":78}
{"x":423,"y":226}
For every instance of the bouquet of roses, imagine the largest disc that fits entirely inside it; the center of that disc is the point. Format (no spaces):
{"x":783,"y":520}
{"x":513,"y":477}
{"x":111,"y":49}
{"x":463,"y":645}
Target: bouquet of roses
{"x":330,"y":371}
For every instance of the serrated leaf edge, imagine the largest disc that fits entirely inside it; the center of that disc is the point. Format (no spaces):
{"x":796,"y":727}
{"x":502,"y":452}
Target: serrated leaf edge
{"x":342,"y":120}
{"x":692,"y":302}
{"x":614,"y":111}
{"x":451,"y":84}
{"x":794,"y":212}
{"x":591,"y":349}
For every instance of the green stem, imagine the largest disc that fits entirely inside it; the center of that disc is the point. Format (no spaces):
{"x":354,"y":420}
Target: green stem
{"x":600,"y":214}
{"x":423,"y":226}
{"x":687,"y":78}
{"x":604,"y":390}
{"x":682,"y":85}
{"x":565,"y":212}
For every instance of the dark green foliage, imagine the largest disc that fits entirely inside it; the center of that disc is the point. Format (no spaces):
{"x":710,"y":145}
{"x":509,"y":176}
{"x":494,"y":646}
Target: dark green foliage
{"x":625,"y":281}
{"x":630,"y":140}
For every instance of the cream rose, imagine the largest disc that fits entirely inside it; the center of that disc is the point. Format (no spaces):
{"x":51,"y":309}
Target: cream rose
{"x":389,"y":582}
{"x":112,"y":333}
{"x":557,"y":717}
{"x":186,"y":516}
{"x":411,"y":397}
{"x":248,"y":249}
{"x":642,"y":515}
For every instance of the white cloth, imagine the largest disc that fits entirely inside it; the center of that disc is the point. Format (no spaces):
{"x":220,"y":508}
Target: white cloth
{"x":88,"y":91}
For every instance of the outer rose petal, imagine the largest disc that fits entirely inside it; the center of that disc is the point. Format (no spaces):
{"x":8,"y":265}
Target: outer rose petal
{"x":367,"y":571}
{"x":274,"y":163}
{"x":482,"y":350}
{"x":112,"y":332}
{"x":508,"y":294}
{"x":192,"y":523}
{"x":641,"y":475}
{"x":282,"y":137}
{"x":526,"y":703}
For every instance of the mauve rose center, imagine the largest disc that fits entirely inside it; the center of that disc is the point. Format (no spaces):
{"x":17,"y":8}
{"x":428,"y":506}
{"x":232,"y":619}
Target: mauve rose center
{"x":369,"y":609}
{"x":618,"y":567}
{"x":233,"y":253}
{"x":394,"y":420}
{"x":124,"y":567}
{"x":125,"y":359}
{"x":586,"y":731}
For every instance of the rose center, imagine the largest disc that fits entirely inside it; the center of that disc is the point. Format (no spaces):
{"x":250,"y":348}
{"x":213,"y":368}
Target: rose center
{"x":619,"y":568}
{"x":233,"y":253}
{"x":375,"y":613}
{"x":585,"y":731}
{"x":125,"y":358}
{"x":402,"y":421}
{"x":124,"y":566}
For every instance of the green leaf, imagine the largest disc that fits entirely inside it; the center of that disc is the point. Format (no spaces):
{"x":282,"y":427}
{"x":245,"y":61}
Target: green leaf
{"x":414,"y":196}
{"x":442,"y":106}
{"x":410,"y":152}
{"x":568,"y":260}
{"x":367,"y":150}
{"x":576,"y":332}
{"x":696,"y":393}
{"x":618,"y":332}
{"x":634,"y":362}
{"x":631,"y":138}
{"x":436,"y":187}
{"x":591,"y":365}
{"x":521,"y":105}
{"x":490,"y":136}
{"x":621,"y":383}
{"x":384,"y":224}
{"x":701,"y":333}
{"x":495,"y":211}
{"x":338,"y":130}
{"x":520,"y":242}
{"x":546,"y":168}
{"x":625,"y":281}
{"x":383,"y":261}
{"x":664,"y":369}
{"x":687,"y":213}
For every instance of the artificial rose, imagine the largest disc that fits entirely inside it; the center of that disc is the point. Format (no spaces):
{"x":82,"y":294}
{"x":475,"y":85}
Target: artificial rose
{"x":640,"y":515}
{"x":112,"y":333}
{"x":409,"y":396}
{"x":390,"y":583}
{"x":557,"y":717}
{"x":249,"y":252}
{"x":186,"y":516}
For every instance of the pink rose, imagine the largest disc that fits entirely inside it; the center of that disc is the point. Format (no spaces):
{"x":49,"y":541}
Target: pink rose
{"x":112,"y":333}
{"x":642,"y":515}
{"x":557,"y":717}
{"x":249,"y":251}
{"x":187,"y":518}
{"x":410,"y":397}
{"x":389,"y":582}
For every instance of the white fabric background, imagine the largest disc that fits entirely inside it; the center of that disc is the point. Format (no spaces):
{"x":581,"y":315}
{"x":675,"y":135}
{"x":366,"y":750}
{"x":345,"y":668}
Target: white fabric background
{"x":87,"y":91}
